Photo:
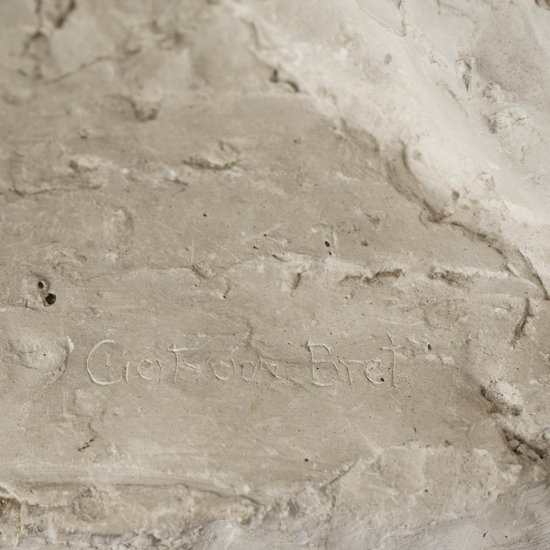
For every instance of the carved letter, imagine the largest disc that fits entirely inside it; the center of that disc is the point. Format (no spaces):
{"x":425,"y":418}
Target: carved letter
{"x":317,"y":361}
{"x":94,"y":379}
{"x":194,"y":368}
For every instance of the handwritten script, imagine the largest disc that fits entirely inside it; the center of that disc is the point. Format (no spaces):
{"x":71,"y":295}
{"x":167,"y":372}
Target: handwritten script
{"x":186,"y":365}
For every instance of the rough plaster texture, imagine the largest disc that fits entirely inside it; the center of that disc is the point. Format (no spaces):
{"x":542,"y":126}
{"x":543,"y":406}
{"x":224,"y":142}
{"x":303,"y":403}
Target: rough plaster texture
{"x":274,"y":274}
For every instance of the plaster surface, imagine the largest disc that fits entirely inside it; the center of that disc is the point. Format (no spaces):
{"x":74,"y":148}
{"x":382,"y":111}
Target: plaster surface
{"x":274,"y":274}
